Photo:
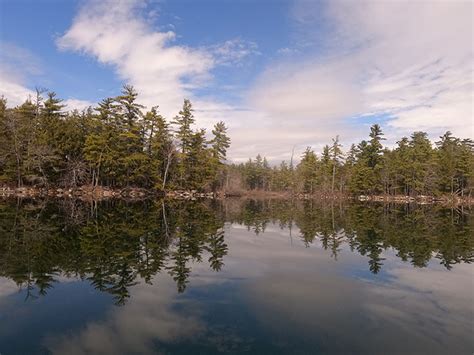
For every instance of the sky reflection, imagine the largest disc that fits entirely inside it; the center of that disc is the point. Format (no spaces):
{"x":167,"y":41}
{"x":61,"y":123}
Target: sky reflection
{"x":274,"y":293}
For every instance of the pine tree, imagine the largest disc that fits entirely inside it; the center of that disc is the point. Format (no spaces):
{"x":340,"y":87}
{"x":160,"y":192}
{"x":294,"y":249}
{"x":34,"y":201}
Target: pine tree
{"x":326,"y":168}
{"x":219,"y":145}
{"x":198,"y":162}
{"x":221,"y":142}
{"x":132,"y":158}
{"x":130,"y":110}
{"x":375,"y":146}
{"x":51,"y":114}
{"x":420,"y":163}
{"x":308,"y":171}
{"x":336,"y":156}
{"x":184,"y":121}
{"x":159,"y":145}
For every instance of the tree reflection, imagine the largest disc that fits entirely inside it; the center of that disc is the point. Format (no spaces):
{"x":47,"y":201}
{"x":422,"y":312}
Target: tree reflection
{"x":112,"y":244}
{"x":116,"y":244}
{"x":415,"y":232}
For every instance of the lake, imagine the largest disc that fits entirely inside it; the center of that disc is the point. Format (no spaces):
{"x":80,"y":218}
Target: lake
{"x":235,"y":276}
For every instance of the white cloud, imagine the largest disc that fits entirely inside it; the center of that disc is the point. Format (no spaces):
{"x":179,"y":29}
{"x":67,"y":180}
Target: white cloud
{"x":13,"y":90}
{"x":411,"y":61}
{"x":149,"y":316}
{"x":307,"y":91}
{"x":233,"y":52}
{"x":17,"y":67}
{"x":76,"y":104}
{"x":15,"y":64}
{"x":115,"y":33}
{"x":7,"y":287}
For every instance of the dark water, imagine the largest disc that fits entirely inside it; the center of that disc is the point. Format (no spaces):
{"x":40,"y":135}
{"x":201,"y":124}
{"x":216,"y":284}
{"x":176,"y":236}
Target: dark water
{"x":257,"y":277}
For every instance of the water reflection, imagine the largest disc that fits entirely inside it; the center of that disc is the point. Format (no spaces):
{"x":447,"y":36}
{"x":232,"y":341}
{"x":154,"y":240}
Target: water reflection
{"x":263,"y":277}
{"x":414,"y":231}
{"x":113,"y":244}
{"x":110,"y":245}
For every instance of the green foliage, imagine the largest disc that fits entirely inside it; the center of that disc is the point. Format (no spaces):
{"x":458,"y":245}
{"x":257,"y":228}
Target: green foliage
{"x":308,"y":171}
{"x":221,"y":142}
{"x":256,"y":173}
{"x":455,"y":164}
{"x":183,"y":122}
{"x":413,"y":168}
{"x":115,"y":144}
{"x":116,"y":244}
{"x":113,"y":247}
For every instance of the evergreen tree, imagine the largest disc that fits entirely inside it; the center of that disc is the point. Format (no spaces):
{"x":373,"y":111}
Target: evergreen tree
{"x":115,"y":145}
{"x":198,"y":162}
{"x":375,"y":146}
{"x":159,"y":145}
{"x":184,"y":121}
{"x":420,"y":164}
{"x":308,"y":171}
{"x":219,"y":145}
{"x":336,"y":156}
{"x":220,"y":142}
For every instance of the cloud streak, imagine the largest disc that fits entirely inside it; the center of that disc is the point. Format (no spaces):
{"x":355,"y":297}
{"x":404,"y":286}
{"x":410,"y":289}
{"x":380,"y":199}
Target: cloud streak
{"x":352,"y":63}
{"x":115,"y":33}
{"x":408,"y":61}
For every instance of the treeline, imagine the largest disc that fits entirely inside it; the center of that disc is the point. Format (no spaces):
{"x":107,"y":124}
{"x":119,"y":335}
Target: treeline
{"x":115,"y":144}
{"x":414,"y":167}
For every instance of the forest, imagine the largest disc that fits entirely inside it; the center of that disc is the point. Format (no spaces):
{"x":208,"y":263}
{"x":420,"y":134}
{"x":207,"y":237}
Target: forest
{"x":119,"y":144}
{"x":414,"y":167}
{"x":115,"y":144}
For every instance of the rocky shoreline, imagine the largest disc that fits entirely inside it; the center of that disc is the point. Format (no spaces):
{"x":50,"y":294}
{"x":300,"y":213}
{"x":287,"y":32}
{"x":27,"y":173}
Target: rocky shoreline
{"x":99,"y":193}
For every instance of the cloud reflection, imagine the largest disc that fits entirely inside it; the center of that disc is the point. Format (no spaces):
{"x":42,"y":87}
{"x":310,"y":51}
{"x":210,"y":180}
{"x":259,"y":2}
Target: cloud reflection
{"x":289,"y":298}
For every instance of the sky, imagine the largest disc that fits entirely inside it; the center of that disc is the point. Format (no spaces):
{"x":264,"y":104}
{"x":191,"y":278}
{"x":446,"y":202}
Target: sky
{"x":282,"y":74}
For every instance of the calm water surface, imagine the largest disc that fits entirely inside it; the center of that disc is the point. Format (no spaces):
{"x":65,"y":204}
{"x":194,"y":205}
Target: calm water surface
{"x":257,"y":277}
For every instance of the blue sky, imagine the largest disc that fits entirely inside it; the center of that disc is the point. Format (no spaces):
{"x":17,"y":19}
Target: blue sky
{"x":281,"y":74}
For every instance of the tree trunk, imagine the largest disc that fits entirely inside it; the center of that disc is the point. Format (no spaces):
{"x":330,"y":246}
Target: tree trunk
{"x":333,"y":177}
{"x":168,"y":162}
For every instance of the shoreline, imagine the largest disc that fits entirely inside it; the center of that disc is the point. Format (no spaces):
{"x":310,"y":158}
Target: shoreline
{"x":101,"y":193}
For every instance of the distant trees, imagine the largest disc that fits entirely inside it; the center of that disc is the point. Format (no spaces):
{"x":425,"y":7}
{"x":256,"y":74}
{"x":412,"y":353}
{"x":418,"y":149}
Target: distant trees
{"x":455,"y":164}
{"x":414,"y":167}
{"x":115,"y":144}
{"x":336,"y":156}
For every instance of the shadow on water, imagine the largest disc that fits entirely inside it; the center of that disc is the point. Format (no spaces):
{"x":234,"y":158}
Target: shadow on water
{"x":114,"y":244}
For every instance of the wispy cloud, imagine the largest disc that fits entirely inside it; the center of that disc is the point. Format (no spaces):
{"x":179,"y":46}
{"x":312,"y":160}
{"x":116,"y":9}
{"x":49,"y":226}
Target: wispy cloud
{"x":149,"y":316}
{"x":12,"y":89}
{"x":76,"y":104}
{"x":233,"y":52}
{"x":409,"y":61}
{"x":372,"y":60}
{"x":16,"y":65}
{"x":116,"y":33}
